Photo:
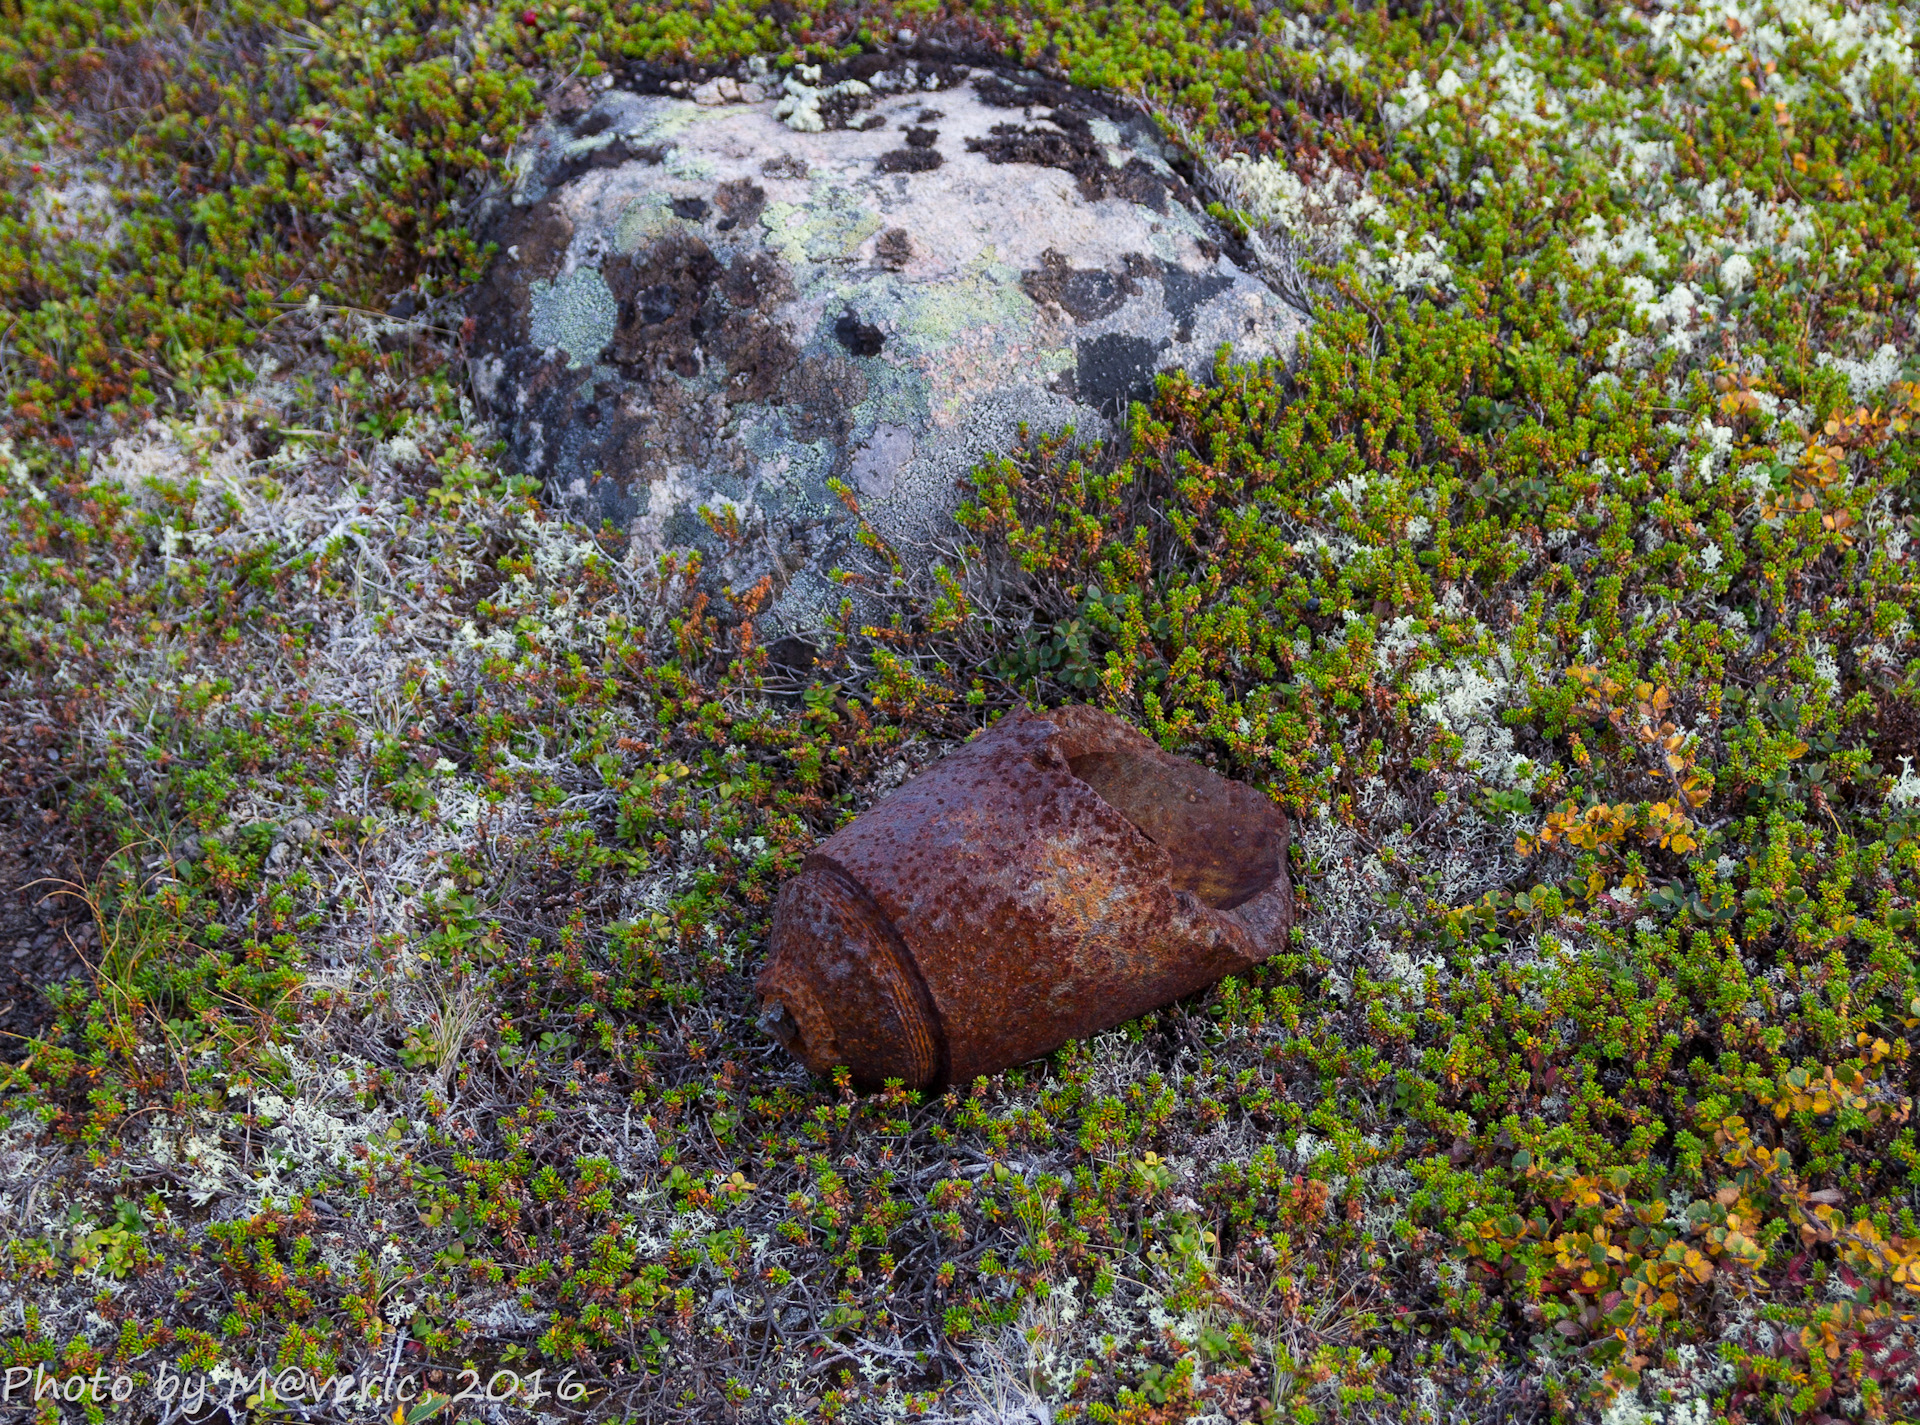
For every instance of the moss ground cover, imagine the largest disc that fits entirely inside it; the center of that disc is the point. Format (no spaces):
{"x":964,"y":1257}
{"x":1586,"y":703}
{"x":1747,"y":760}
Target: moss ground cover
{"x":1562,"y":594}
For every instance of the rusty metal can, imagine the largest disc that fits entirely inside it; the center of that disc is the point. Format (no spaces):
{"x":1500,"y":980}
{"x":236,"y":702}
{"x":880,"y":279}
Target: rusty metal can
{"x":1058,"y":875}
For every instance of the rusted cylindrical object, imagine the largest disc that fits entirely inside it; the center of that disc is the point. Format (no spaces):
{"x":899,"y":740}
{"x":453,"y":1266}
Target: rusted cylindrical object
{"x":1056,"y":876}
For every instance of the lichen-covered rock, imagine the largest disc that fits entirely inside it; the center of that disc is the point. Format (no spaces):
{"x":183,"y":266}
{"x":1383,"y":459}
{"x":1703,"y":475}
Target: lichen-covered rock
{"x":704,"y":309}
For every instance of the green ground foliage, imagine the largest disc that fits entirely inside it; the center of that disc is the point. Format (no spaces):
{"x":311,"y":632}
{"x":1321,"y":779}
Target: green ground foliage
{"x":1562,"y":594}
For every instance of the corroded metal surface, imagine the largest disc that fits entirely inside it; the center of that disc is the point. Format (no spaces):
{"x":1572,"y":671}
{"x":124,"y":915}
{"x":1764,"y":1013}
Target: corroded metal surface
{"x":1058,"y":875}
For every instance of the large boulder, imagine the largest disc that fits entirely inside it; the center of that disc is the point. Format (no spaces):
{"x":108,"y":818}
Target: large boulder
{"x":707,"y":306}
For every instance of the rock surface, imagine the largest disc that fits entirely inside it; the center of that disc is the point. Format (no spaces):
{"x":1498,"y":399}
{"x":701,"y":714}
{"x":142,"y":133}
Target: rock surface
{"x":714,"y":303}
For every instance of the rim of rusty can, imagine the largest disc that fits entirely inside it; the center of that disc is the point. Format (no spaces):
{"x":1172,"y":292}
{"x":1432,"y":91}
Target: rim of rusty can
{"x":967,"y":921}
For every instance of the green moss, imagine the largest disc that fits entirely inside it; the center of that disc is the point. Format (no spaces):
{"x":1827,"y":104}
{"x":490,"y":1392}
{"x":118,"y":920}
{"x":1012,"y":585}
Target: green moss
{"x":1567,"y":611}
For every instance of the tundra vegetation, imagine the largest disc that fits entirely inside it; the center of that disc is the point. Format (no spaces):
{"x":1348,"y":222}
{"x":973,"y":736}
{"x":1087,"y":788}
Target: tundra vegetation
{"x":1562,"y":593}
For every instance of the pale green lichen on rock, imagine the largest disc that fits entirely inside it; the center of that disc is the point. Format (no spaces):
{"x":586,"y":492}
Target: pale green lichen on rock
{"x":574,"y":312}
{"x":831,"y":224}
{"x":644,"y":219}
{"x":985,"y":297}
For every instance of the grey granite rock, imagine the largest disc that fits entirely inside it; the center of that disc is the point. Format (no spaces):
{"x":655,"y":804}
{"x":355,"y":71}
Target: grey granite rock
{"x":714,"y":304}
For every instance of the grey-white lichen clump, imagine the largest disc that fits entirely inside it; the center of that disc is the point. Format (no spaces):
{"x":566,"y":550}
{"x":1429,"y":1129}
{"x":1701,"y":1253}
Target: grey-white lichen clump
{"x":802,"y":96}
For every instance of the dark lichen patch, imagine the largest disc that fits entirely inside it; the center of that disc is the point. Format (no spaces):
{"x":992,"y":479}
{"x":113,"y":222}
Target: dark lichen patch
{"x":858,"y":337}
{"x":662,"y":293}
{"x":533,"y":394}
{"x":1071,"y":147}
{"x":1140,"y":182}
{"x":1112,"y":370}
{"x":533,"y":243}
{"x":821,"y":393}
{"x":1029,"y":92}
{"x":610,"y":501}
{"x":909,"y":160}
{"x":838,"y":110}
{"x":694,"y":210}
{"x":757,"y":354}
{"x":919,"y":137}
{"x":612,"y":154}
{"x":741,"y":201}
{"x":643,"y":433}
{"x":1061,"y":147}
{"x":1184,"y":292}
{"x":758,"y":281}
{"x":679,"y":311}
{"x":1003,"y":91}
{"x":893,"y":249}
{"x":1086,"y":294}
